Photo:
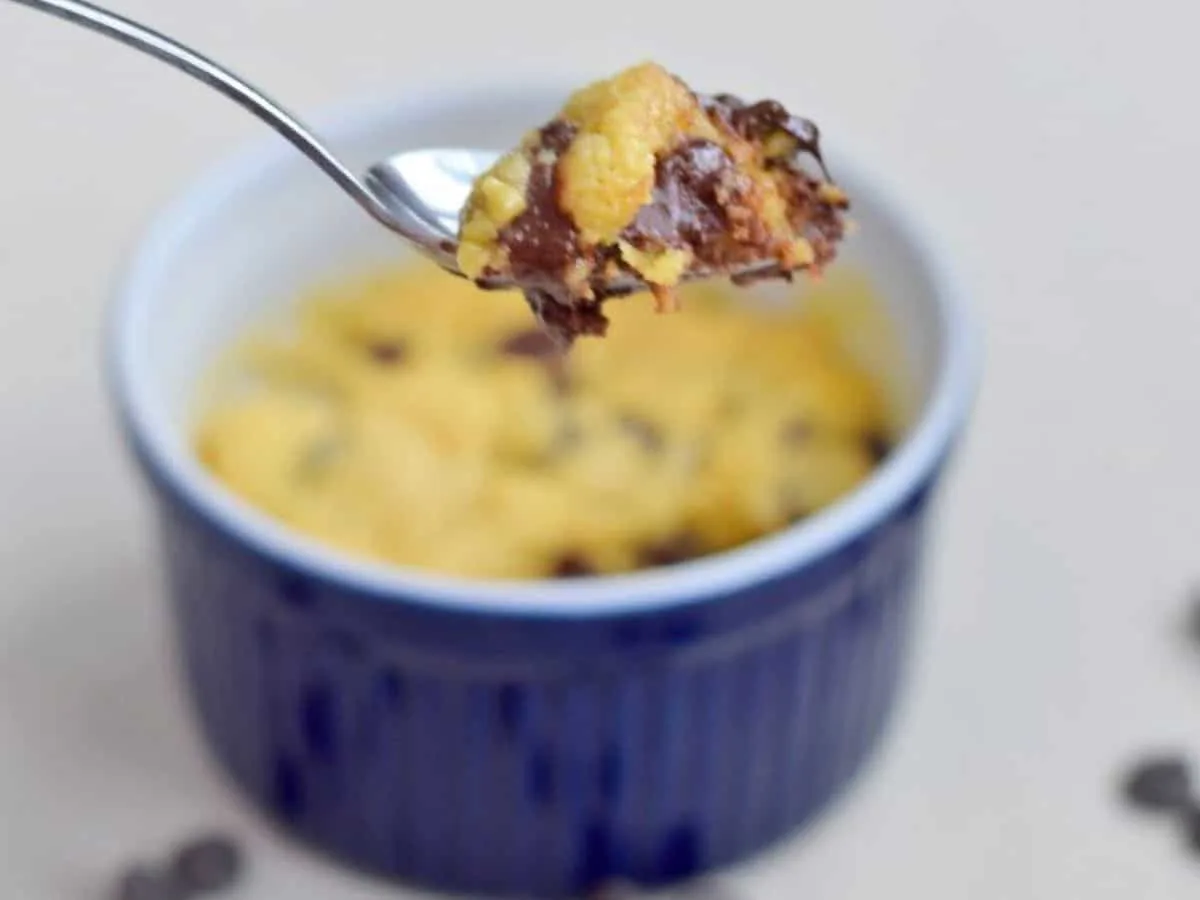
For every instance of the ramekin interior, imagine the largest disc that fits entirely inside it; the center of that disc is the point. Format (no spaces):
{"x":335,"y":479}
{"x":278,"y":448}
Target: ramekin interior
{"x":262,"y":225}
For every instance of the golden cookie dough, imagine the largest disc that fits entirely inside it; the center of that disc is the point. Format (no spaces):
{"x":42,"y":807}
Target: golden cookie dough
{"x":412,"y":419}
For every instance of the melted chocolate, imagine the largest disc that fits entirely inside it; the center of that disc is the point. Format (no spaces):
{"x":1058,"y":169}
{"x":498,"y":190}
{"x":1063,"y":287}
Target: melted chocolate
{"x":567,"y":318}
{"x":697,"y":192}
{"x":557,"y":136}
{"x":818,"y":220}
{"x":701,"y":202}
{"x":542,"y":241}
{"x":758,"y":121}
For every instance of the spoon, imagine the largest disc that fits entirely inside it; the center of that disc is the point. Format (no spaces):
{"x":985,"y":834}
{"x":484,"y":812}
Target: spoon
{"x":419,"y":194}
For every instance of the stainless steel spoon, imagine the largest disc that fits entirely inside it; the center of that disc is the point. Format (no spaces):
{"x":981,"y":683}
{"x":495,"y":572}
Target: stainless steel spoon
{"x":418,"y":194}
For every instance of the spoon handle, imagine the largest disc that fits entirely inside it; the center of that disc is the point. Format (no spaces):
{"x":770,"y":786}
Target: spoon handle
{"x":221,"y":79}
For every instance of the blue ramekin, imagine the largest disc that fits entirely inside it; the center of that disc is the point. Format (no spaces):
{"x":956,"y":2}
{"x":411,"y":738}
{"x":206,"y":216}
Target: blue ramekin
{"x":530,"y":738}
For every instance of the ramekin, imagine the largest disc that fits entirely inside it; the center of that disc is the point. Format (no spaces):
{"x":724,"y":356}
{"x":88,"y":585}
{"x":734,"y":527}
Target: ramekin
{"x":519,"y":738}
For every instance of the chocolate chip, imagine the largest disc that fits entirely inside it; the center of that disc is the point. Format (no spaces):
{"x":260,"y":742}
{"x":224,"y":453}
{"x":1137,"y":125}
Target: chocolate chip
{"x":537,"y":345}
{"x":643,"y":431}
{"x":794,"y":514}
{"x":319,"y":455}
{"x":573,"y":565}
{"x":532,"y":343}
{"x":209,"y":863}
{"x":1158,"y":783}
{"x":557,"y":136}
{"x":566,"y":319}
{"x":388,"y":353}
{"x":758,"y":121}
{"x":696,"y":185}
{"x":792,"y":505}
{"x":796,"y":431}
{"x":675,"y":549}
{"x":1191,"y":828}
{"x":141,"y":882}
{"x":877,"y":446}
{"x":729,"y":100}
{"x":1192,"y":622}
{"x":761,"y":120}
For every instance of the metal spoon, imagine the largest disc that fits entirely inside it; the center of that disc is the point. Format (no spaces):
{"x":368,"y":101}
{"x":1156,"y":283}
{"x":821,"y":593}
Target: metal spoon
{"x":418,"y":194}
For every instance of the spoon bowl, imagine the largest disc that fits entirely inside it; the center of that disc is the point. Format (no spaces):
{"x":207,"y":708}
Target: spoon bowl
{"x":429,"y":189}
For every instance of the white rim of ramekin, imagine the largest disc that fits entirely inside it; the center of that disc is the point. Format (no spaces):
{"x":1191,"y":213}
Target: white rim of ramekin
{"x":913,"y":461}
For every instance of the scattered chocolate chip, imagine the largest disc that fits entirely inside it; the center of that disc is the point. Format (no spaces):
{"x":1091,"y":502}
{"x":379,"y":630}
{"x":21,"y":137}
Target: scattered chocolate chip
{"x":533,"y":343}
{"x":643,"y":431}
{"x":730,"y":100}
{"x":759,"y":120}
{"x":566,"y":320}
{"x":318,"y":456}
{"x":796,"y":431}
{"x":573,"y":565}
{"x":877,"y":446}
{"x":1158,"y":783}
{"x":1193,"y":614}
{"x":209,"y":863}
{"x":696,"y":186}
{"x":537,"y":345}
{"x":557,"y":136}
{"x":675,"y":549}
{"x":794,"y":514}
{"x":141,"y":882}
{"x":388,"y":353}
{"x":1191,"y":827}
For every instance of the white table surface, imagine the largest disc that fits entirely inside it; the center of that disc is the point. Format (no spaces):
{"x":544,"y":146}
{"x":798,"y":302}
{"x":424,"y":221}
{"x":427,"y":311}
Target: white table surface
{"x":1057,"y":148}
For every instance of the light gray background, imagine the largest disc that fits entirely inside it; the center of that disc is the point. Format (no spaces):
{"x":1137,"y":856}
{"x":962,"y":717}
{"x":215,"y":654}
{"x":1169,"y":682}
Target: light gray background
{"x":1057,"y":148}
